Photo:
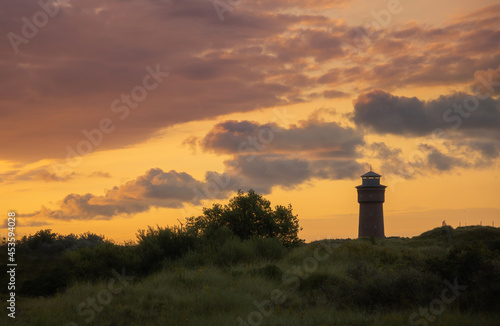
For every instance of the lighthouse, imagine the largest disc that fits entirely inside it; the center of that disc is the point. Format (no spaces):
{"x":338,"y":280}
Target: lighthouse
{"x":371,"y":196}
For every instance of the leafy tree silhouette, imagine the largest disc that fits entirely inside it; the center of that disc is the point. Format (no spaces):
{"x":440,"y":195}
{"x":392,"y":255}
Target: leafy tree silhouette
{"x":249,"y":215}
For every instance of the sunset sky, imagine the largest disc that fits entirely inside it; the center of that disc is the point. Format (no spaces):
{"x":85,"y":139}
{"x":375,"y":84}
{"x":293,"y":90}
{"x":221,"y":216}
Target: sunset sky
{"x":116,"y":115}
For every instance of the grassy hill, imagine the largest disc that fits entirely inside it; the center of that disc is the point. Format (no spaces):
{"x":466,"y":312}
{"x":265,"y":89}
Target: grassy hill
{"x":445,"y":276}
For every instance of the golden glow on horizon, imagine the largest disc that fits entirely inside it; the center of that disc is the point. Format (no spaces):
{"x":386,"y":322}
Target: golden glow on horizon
{"x":335,"y":202}
{"x":326,"y":208}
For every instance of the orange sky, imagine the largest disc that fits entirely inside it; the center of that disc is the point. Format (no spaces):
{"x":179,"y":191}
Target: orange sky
{"x":121,"y":115}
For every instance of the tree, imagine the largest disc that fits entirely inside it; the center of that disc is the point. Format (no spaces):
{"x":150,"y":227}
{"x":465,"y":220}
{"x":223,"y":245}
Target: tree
{"x":42,"y":237}
{"x":249,"y":215}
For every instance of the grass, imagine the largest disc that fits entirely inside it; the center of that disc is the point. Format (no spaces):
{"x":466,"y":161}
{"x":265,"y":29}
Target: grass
{"x":329,"y":282}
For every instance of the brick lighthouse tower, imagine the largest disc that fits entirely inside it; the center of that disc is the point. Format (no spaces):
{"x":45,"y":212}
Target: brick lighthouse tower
{"x":371,"y":200}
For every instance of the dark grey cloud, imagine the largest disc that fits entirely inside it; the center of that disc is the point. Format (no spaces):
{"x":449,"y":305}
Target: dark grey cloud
{"x":172,"y":189}
{"x":440,"y":161}
{"x":263,"y":156}
{"x":155,"y":188}
{"x":267,"y":155}
{"x":265,"y":171}
{"x":426,"y":159}
{"x":314,"y":137}
{"x":467,"y":127}
{"x":336,"y":169}
{"x":388,"y":114}
{"x":488,"y":149}
{"x":392,"y":160}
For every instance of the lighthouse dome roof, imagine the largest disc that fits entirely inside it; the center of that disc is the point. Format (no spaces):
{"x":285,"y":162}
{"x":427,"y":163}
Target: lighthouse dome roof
{"x":371,"y":174}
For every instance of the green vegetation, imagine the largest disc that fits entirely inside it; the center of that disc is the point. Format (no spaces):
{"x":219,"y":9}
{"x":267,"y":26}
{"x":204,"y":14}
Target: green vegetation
{"x":249,"y":216}
{"x":329,"y":282}
{"x":211,"y":273}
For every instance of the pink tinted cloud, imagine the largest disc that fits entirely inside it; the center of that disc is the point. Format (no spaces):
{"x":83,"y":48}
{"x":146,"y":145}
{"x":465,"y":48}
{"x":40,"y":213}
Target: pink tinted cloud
{"x":64,"y":80}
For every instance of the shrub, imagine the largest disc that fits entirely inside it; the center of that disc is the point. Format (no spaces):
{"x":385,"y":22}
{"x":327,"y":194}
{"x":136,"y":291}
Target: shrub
{"x":248,"y":216}
{"x":270,"y":271}
{"x":97,"y":263}
{"x":475,"y":266}
{"x":268,"y":248}
{"x":43,"y":276}
{"x":155,"y":245}
{"x":234,"y":251}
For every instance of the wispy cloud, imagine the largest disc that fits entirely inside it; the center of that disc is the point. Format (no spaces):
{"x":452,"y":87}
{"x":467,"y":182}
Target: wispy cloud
{"x":38,"y":174}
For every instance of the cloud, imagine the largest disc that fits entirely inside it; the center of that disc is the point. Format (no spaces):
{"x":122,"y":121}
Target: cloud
{"x":334,"y":94}
{"x":391,"y":159}
{"x":41,"y":174}
{"x":262,"y":172}
{"x":418,"y":54}
{"x":267,"y":155}
{"x":316,"y":138}
{"x":100,"y":174}
{"x":487,"y":82}
{"x":263,"y":156}
{"x":65,"y":79}
{"x":26,"y":223}
{"x":172,"y":189}
{"x":488,"y":149}
{"x":425,"y":159}
{"x":439,"y":161}
{"x":263,"y":54}
{"x":457,"y":131}
{"x":155,"y":188}
{"x":385,"y":113}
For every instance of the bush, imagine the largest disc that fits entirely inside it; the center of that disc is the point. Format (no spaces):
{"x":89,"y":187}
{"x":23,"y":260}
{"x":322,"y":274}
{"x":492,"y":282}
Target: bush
{"x":233,"y":252}
{"x":43,"y":277}
{"x":46,"y":266}
{"x":268,"y":248}
{"x":45,"y":241}
{"x":270,"y":271}
{"x":477,"y":267}
{"x":97,"y":263}
{"x":155,"y":245}
{"x":248,"y":216}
